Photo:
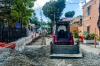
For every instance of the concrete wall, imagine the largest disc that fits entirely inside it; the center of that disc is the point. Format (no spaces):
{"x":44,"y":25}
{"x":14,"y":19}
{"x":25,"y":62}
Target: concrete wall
{"x":20,"y":44}
{"x":80,"y":29}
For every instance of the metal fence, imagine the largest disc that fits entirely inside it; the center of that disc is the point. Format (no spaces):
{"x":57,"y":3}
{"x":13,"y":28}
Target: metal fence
{"x":11,"y":34}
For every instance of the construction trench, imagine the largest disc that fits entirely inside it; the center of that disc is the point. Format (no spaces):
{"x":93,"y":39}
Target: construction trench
{"x":37,"y":54}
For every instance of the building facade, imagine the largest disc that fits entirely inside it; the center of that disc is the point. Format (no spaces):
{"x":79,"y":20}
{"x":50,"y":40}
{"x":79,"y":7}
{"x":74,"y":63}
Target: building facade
{"x":77,"y":22}
{"x":90,"y":17}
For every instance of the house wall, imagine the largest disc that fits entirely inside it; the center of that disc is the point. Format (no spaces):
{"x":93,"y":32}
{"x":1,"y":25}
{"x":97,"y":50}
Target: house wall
{"x":73,"y":28}
{"x":80,"y":29}
{"x":92,"y":19}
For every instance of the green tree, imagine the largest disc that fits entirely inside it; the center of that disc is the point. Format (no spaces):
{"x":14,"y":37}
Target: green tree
{"x":22,"y":11}
{"x":53,"y":9}
{"x":70,"y":14}
{"x":49,"y":24}
{"x":35,"y":21}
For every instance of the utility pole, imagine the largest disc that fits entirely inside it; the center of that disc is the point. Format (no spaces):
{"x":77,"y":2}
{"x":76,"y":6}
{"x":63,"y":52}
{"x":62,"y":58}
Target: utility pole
{"x":43,"y":31}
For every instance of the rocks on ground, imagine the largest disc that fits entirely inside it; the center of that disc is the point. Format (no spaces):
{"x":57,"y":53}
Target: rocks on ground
{"x":28,"y":57}
{"x":39,"y":56}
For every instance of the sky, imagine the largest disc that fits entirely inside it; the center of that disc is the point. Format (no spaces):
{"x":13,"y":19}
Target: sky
{"x":69,"y":7}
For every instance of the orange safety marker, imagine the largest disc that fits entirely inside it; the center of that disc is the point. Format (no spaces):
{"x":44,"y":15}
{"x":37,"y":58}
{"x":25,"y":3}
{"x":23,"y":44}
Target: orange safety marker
{"x":7,"y":45}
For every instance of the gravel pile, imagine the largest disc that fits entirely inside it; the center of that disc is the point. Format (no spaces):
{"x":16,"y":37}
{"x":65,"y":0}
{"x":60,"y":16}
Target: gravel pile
{"x":39,"y":56}
{"x":14,"y":58}
{"x":28,"y":57}
{"x":4,"y":54}
{"x":89,"y":59}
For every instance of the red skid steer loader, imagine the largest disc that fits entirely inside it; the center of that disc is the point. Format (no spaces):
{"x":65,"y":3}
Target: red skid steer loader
{"x":63,"y":44}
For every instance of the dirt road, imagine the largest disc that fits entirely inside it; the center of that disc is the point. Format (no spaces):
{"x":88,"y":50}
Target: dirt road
{"x":38,"y":55}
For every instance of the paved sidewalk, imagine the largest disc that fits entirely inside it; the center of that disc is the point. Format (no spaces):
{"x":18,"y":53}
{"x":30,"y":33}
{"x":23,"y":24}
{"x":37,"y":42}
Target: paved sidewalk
{"x":48,"y":40}
{"x":90,"y":48}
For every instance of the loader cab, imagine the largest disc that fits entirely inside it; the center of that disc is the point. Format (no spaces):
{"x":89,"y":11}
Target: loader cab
{"x":62,"y":34}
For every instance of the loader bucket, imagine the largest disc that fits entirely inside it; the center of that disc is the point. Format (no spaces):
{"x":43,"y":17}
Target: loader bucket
{"x":65,"y":51}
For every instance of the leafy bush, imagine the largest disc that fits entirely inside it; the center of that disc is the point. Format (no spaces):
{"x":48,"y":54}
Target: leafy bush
{"x":98,"y":39}
{"x":86,"y":33}
{"x":75,"y":33}
{"x":89,"y":36}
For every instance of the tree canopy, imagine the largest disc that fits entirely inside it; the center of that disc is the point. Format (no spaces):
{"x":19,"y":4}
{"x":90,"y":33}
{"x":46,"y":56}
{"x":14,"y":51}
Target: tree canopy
{"x":22,"y":11}
{"x":53,"y":9}
{"x":70,"y":14}
{"x":35,"y":21}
